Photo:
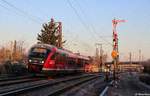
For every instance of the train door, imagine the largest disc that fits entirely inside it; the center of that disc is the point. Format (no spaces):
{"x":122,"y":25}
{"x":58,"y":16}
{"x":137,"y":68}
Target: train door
{"x":60,"y":61}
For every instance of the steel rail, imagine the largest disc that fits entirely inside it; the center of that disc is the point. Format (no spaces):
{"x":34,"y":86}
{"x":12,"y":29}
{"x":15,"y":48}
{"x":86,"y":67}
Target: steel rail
{"x":39,"y":85}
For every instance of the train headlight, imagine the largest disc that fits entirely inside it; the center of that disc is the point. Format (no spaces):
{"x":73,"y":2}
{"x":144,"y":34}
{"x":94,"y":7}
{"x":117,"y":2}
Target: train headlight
{"x":30,"y":60}
{"x":42,"y":61}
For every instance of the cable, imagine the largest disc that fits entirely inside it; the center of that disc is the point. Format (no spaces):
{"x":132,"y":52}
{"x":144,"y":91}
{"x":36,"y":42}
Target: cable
{"x":80,"y":19}
{"x":76,"y":42}
{"x":5,"y":7}
{"x":93,"y":29}
{"x":10,"y":10}
{"x":31,"y":17}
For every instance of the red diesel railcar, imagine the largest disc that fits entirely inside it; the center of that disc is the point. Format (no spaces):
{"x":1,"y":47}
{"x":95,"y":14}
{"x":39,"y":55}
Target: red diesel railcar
{"x":44,"y":58}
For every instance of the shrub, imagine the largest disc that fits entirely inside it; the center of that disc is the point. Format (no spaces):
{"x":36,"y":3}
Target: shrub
{"x":19,"y":69}
{"x":13,"y":68}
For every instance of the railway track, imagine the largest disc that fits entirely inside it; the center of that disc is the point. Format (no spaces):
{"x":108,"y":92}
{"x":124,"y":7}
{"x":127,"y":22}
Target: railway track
{"x":57,"y":85}
{"x":14,"y":78}
{"x":59,"y":89}
{"x":18,"y":81}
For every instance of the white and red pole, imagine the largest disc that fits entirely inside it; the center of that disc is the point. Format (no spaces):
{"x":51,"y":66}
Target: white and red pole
{"x":115,"y":45}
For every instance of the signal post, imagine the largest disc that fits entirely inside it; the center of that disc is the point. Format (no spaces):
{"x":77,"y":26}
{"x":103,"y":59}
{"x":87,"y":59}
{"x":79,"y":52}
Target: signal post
{"x":115,"y":52}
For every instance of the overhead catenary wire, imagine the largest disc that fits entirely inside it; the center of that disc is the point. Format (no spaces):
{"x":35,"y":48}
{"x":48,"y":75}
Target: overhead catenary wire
{"x":22,"y":12}
{"x":83,"y":23}
{"x":75,"y":42}
{"x":92,"y":27}
{"x":80,"y":19}
{"x":6,"y":8}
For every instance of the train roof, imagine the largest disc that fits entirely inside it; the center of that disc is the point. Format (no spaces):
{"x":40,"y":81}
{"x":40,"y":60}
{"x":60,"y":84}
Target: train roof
{"x":44,"y":46}
{"x":83,"y":57}
{"x":62,"y":51}
{"x":67,"y":52}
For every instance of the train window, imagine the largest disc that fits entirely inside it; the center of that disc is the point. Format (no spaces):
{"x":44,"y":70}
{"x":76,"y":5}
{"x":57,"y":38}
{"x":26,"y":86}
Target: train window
{"x":54,"y":56}
{"x":60,"y":59}
{"x":71,"y":61}
{"x":39,"y":52}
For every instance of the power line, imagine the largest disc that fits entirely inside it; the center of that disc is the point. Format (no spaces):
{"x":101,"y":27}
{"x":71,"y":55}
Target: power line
{"x":93,"y":29}
{"x":5,"y":7}
{"x":83,"y":23}
{"x":75,"y":42}
{"x":25,"y":14}
{"x":79,"y":17}
{"x":83,"y":13}
{"x":10,"y":10}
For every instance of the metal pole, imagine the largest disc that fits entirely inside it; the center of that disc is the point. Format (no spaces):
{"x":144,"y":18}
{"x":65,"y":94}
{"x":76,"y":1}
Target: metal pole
{"x":115,"y":44}
{"x":130,"y":59}
{"x":139,"y":56}
{"x":101,"y":57}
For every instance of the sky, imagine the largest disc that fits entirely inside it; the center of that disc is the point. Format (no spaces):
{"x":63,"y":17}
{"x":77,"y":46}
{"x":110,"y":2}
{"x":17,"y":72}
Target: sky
{"x":85,"y":23}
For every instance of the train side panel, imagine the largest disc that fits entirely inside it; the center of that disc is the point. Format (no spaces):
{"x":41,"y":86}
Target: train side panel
{"x":51,"y":60}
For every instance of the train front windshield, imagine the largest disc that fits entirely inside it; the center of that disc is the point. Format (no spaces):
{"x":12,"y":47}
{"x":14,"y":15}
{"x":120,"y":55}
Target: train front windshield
{"x":38,"y":52}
